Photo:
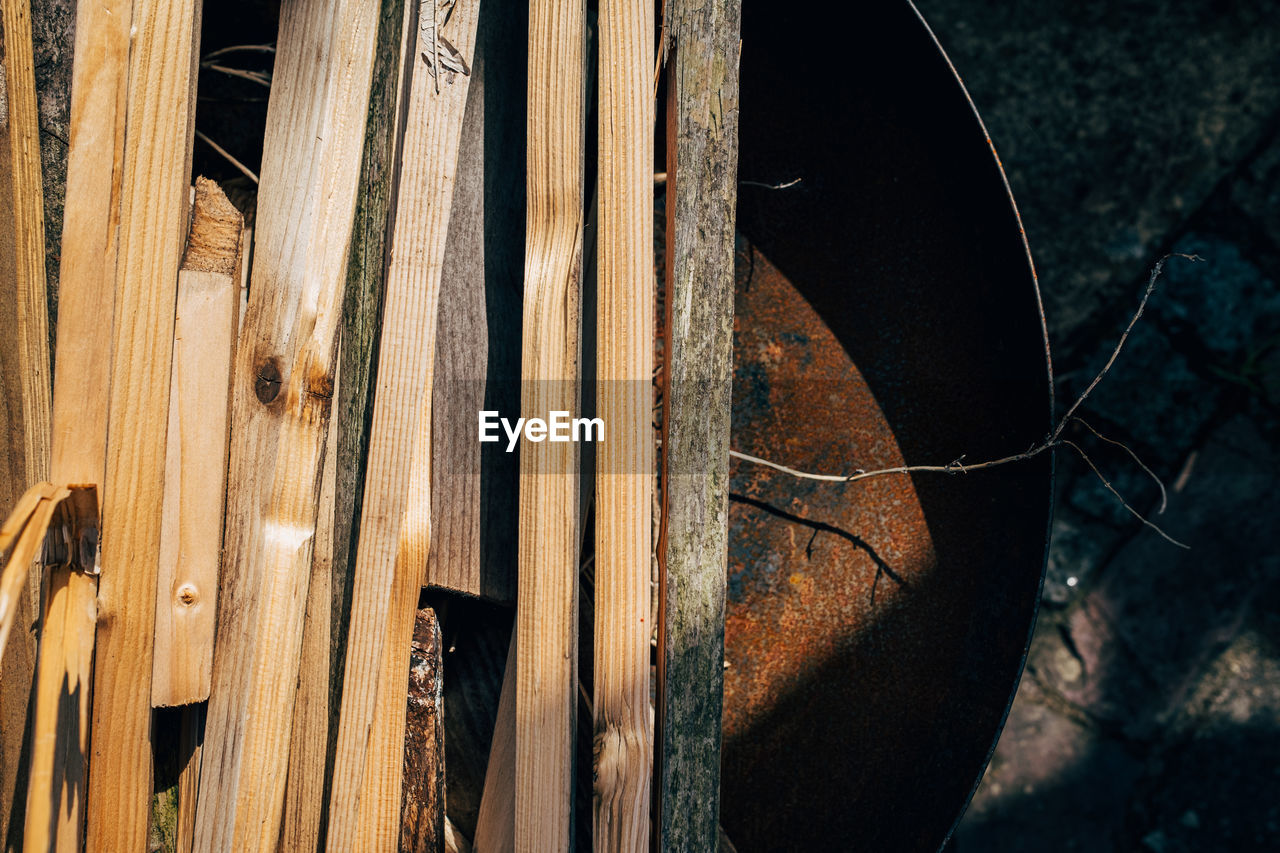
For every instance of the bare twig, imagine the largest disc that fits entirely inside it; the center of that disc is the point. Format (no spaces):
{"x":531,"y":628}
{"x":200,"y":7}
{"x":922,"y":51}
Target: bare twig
{"x":1111,"y":488}
{"x":259,"y":77}
{"x":232,"y":160}
{"x":1052,"y":441}
{"x":1164,"y":496}
{"x":1142,"y":305}
{"x":238,"y":48}
{"x":781,"y":186}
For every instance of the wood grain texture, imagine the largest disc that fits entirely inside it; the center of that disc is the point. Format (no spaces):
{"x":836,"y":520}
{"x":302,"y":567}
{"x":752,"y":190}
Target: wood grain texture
{"x":64,"y":682}
{"x":546,"y":615}
{"x":622,"y":745}
{"x":473,"y":486}
{"x":361,"y":314}
{"x":190,"y":745}
{"x":304,"y":801}
{"x":79,"y":439}
{"x":26,"y":385}
{"x":81,"y":390}
{"x":702,"y":146}
{"x":496,"y":826}
{"x":154,"y":199}
{"x":204,"y":337}
{"x":396,"y":517}
{"x":24,"y":530}
{"x":422,"y":818}
{"x":86,"y":297}
{"x":284,"y":377}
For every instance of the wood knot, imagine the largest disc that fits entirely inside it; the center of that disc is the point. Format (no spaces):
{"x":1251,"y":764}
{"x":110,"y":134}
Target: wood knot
{"x":267,"y":386}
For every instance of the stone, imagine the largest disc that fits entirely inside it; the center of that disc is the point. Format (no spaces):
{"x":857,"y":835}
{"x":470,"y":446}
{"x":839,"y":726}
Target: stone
{"x":1114,"y":123}
{"x":1050,"y":778}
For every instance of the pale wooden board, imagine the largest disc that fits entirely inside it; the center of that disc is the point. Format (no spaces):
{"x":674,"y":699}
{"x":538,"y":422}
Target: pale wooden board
{"x":546,"y":614}
{"x":25,"y":383}
{"x":702,"y":153}
{"x":82,"y":381}
{"x":304,"y":793}
{"x":63,"y":688}
{"x":622,"y":746}
{"x":284,"y":377}
{"x":155,"y":183}
{"x":207,"y":315}
{"x":395,"y":519}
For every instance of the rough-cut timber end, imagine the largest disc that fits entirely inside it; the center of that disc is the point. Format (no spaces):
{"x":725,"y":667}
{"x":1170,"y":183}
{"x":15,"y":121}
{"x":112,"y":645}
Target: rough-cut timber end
{"x":213,"y":245}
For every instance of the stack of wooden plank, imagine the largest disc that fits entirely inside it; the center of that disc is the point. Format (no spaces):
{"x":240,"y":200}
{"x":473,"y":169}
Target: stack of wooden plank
{"x":233,"y":510}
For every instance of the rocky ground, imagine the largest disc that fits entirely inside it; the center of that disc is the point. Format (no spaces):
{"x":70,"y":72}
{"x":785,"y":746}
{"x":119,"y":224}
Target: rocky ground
{"x":1149,"y":715}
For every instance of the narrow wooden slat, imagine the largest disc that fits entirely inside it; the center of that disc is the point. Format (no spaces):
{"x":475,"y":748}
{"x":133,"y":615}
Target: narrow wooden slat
{"x":79,"y":433}
{"x":361,"y":313}
{"x":25,"y":382}
{"x":622,"y":746}
{"x":155,"y":185}
{"x":495,"y":829}
{"x":546,"y":615}
{"x":396,"y":516}
{"x":63,"y":688}
{"x":422,"y":820}
{"x":284,"y":377}
{"x":206,"y":319}
{"x":191,"y":743}
{"x":305,"y":789}
{"x":702,"y":144}
{"x":86,"y":295}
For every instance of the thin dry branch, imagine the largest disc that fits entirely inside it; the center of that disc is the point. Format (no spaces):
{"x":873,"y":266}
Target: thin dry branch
{"x":230,"y":159}
{"x":238,"y":48}
{"x":1051,"y":442}
{"x":775,"y":186}
{"x":262,"y":78}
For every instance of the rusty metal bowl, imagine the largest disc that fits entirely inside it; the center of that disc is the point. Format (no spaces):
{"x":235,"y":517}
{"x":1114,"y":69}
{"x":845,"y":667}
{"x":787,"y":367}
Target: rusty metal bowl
{"x":887,"y":314}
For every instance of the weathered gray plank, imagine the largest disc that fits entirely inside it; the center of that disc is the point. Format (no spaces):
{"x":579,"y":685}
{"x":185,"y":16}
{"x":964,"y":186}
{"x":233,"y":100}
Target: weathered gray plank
{"x":702,"y":145}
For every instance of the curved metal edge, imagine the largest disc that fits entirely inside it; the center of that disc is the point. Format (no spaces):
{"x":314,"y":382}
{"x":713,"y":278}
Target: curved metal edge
{"x":1048,"y":360}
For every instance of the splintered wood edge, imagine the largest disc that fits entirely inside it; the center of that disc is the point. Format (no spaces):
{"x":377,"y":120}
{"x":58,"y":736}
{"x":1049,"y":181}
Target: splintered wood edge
{"x":213,"y":243}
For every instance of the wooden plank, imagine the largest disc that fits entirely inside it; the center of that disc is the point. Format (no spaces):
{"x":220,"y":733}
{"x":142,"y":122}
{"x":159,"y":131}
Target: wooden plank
{"x":473,"y":485}
{"x":204,"y":336}
{"x":154,"y":199}
{"x":64,"y":669}
{"x":63,"y":688}
{"x":308,"y":747}
{"x":394,"y":535}
{"x":191,"y":743}
{"x":361,"y":313}
{"x":702,"y":144}
{"x":82,"y":382}
{"x":546,"y":616}
{"x":26,"y":385}
{"x":496,"y":826}
{"x":422,"y":820}
{"x":284,"y":382}
{"x":622,"y":746}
